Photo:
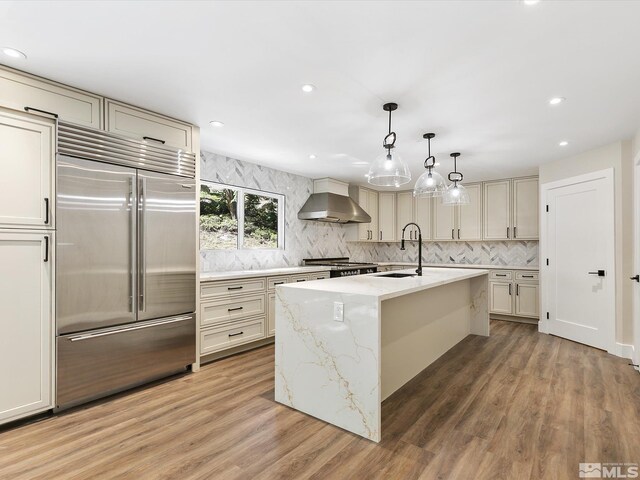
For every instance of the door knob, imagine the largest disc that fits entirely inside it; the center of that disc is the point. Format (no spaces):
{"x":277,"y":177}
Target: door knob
{"x":599,"y":273}
{"x":636,"y":278}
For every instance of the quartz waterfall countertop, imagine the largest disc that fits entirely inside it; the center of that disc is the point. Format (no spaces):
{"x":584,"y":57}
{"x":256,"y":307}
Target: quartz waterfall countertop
{"x":385,"y":288}
{"x":267,"y":272}
{"x":460,"y":265}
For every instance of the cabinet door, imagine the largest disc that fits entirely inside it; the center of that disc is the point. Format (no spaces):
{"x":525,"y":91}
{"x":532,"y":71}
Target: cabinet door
{"x":525,"y":208}
{"x":26,"y":324}
{"x":19,"y":90}
{"x":527,"y":300}
{"x":271,"y":314}
{"x":387,"y":217}
{"x":470,"y":216}
{"x":27,"y":145}
{"x":444,"y":221}
{"x":364,"y":229}
{"x":144,"y":125}
{"x":500,"y":298}
{"x":373,"y":211}
{"x":497,"y":211}
{"x":422,"y":216}
{"x":404,"y":215}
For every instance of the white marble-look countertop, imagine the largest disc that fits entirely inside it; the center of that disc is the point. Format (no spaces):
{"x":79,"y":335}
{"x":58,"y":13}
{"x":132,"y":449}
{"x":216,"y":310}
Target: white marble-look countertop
{"x":461,"y":265}
{"x":375,"y":285}
{"x":267,"y":272}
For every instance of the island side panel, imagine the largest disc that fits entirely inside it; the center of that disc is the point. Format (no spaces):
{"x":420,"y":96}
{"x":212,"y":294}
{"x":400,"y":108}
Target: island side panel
{"x":420,"y":327}
{"x":480,"y":305}
{"x":325,"y":368}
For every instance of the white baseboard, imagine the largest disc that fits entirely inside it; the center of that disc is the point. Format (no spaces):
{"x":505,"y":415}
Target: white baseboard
{"x":625,"y":351}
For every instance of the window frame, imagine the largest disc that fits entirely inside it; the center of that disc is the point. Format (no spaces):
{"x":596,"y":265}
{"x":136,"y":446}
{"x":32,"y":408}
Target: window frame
{"x":242,"y":191}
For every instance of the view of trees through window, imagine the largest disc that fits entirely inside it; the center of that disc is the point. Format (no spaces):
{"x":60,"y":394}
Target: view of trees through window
{"x":232,"y":217}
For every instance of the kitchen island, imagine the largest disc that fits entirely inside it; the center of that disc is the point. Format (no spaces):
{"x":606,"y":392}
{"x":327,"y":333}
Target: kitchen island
{"x":344,"y":345}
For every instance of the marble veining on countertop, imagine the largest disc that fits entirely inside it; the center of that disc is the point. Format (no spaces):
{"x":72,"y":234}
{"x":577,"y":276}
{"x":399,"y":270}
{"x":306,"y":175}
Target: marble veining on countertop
{"x":267,"y":272}
{"x":384,"y":288}
{"x":461,"y":265}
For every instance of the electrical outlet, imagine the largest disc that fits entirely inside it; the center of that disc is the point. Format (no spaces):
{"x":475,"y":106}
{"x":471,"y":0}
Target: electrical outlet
{"x":338,"y":311}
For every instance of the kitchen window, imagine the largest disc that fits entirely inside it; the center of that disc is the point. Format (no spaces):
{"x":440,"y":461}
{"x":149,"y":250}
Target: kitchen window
{"x":235,"y":218}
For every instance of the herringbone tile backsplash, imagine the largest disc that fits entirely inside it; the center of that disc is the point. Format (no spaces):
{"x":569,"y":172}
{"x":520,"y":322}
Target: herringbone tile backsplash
{"x":305,"y":239}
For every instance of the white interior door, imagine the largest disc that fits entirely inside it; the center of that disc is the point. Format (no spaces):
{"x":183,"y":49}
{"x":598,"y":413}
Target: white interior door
{"x":579,"y":244}
{"x":636,"y":273}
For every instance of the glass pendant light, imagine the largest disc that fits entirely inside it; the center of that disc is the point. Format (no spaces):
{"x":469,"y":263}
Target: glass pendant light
{"x":389,"y":170}
{"x":456,"y":194}
{"x":430,"y":183}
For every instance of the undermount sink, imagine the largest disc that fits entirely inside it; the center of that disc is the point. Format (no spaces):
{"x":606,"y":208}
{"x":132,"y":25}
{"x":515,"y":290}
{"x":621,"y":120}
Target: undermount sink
{"x":397,"y":275}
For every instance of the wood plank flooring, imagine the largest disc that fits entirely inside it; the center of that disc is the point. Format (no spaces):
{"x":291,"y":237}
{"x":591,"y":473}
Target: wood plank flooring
{"x":516,"y":405}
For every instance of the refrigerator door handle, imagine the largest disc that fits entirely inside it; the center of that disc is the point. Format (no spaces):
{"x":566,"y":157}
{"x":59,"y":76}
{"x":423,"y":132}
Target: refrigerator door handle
{"x":88,"y":336}
{"x":142,"y":235}
{"x":132,"y":245}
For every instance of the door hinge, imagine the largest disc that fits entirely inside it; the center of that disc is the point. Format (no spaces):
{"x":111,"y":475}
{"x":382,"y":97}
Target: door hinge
{"x":547,"y":261}
{"x":547,"y":208}
{"x":547,"y":315}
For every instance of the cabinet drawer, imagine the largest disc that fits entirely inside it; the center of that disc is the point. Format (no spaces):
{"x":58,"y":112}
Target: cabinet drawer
{"x":220,"y":338}
{"x":527,"y":276}
{"x":273,"y":282}
{"x":299,"y":278}
{"x":501,"y":275}
{"x":318,"y":275}
{"x":230,"y":288}
{"x":136,"y":123}
{"x":229,"y":310}
{"x":18,"y":91}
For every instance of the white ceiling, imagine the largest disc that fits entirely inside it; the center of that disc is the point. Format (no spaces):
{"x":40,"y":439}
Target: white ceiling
{"x":477,"y":73}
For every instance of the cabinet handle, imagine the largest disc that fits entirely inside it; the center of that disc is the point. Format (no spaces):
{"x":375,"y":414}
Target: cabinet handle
{"x":458,"y":234}
{"x":277,"y":283}
{"x":301,"y":280}
{"x":235,"y":334}
{"x":154,"y":139}
{"x":509,"y":289}
{"x":527,"y":276}
{"x":514,"y":232}
{"x":380,"y":234}
{"x":501,"y":274}
{"x":452,"y":234}
{"x":46,"y":211}
{"x":235,"y":288}
{"x":508,"y":232}
{"x":234,"y":309}
{"x":517,"y":289}
{"x":46,"y":248}
{"x":31,"y":109}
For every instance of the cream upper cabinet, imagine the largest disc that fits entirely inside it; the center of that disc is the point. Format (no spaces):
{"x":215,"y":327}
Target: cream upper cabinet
{"x":470,"y":216}
{"x":387,"y":216}
{"x":143,"y":125}
{"x":525,"y":208}
{"x":19,"y":91}
{"x":444,"y":221}
{"x":497,"y":210}
{"x":404,"y":214}
{"x":422,"y":216}
{"x":26,"y":324}
{"x":373,"y":212}
{"x":27,"y":146}
{"x":364,"y":229}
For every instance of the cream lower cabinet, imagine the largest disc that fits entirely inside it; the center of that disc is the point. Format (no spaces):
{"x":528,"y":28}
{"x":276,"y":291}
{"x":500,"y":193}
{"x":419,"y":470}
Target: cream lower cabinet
{"x":26,"y":324}
{"x":27,"y":146}
{"x":514,"y":293}
{"x":500,"y":296}
{"x":271,"y":314}
{"x":527,"y":300}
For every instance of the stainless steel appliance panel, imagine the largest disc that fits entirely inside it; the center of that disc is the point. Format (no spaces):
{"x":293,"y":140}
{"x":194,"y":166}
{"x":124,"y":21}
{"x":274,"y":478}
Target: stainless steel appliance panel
{"x":166,"y":245}
{"x":101,"y":362}
{"x":96,"y":240}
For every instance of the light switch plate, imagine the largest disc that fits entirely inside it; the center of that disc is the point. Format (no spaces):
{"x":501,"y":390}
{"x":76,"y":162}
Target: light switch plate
{"x":338,"y":311}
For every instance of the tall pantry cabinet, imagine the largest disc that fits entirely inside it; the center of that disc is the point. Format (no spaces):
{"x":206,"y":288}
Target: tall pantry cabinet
{"x":27,"y":229}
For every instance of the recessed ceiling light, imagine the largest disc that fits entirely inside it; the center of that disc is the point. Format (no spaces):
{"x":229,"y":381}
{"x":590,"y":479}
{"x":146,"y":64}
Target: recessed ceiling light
{"x":308,"y":88}
{"x":556,"y":100}
{"x":12,"y":52}
{"x":530,"y":2}
{"x":563,"y":143}
{"x":312,"y":157}
{"x":216,"y":123}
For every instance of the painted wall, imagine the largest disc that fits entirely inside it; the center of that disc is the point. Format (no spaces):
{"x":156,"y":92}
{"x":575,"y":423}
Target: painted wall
{"x":315,"y":239}
{"x":617,"y":156}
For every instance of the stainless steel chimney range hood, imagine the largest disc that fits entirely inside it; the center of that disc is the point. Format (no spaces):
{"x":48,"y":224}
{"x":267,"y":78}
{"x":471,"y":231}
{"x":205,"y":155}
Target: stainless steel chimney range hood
{"x":331,"y":203}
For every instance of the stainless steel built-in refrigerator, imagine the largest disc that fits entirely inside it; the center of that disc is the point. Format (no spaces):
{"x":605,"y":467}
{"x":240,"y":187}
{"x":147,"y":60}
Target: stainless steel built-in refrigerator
{"x":126,"y":263}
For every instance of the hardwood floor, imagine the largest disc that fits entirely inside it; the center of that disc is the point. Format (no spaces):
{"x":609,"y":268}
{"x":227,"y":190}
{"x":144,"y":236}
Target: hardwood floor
{"x":516,"y":405}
